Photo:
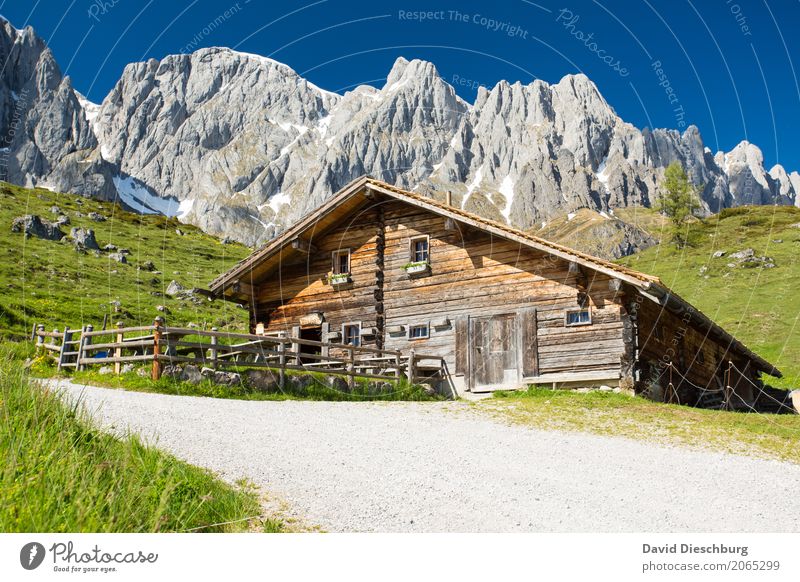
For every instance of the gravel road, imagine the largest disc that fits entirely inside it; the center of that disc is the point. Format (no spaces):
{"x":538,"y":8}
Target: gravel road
{"x":433,"y":467}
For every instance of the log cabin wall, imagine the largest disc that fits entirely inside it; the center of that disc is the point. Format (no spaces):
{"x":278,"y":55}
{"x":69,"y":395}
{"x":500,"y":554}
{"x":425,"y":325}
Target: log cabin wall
{"x":665,"y":337}
{"x":300,"y":288}
{"x":476,"y":274}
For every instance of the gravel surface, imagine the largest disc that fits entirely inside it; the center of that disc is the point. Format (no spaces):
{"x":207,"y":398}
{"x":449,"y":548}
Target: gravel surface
{"x":432,"y":467}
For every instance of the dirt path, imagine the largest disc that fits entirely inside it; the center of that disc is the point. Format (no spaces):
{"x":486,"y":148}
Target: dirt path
{"x":443,"y":467}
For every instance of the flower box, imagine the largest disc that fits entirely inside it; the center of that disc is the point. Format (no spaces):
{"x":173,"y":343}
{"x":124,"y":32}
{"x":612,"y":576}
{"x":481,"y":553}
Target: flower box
{"x":419,"y":268}
{"x":336,"y":279}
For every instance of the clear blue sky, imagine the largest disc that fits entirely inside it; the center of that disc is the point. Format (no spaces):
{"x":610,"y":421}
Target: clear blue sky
{"x":731,"y":66}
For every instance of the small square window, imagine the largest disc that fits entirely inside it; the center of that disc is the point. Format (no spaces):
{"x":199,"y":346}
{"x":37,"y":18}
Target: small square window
{"x":578,"y":317}
{"x":419,"y":331}
{"x":420,"y":250}
{"x":351,"y":334}
{"x":341,"y":262}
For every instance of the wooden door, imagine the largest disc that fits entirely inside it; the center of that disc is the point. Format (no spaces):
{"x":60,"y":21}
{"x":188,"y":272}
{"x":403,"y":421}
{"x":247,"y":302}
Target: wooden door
{"x":494,"y":357}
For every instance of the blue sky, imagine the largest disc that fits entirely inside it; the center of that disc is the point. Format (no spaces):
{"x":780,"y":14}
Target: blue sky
{"x":728,"y":66}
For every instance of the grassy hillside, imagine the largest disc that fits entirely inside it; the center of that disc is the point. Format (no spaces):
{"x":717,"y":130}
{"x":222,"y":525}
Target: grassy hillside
{"x":50,"y":282}
{"x":759,"y":305}
{"x":61,"y":474}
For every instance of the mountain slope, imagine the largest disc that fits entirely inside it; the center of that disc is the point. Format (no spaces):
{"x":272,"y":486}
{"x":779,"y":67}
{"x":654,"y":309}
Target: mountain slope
{"x":739,"y":289}
{"x":241,"y":145}
{"x":50,"y":282}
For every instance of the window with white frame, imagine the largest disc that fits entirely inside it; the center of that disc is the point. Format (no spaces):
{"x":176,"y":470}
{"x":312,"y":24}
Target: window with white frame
{"x":351,"y":334}
{"x":419,"y":331}
{"x":577,"y":317}
{"x":341,"y":262}
{"x":420,"y":249}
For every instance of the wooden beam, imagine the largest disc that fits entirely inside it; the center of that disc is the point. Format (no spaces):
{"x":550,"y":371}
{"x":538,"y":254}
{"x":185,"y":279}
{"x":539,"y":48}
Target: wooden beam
{"x":302,"y":245}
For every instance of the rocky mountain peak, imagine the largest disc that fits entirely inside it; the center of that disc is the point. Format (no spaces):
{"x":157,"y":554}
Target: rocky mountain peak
{"x":242,"y":145}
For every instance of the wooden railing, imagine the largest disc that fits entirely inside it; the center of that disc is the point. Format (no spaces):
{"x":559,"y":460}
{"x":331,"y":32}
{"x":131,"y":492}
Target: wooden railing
{"x":162,"y":345}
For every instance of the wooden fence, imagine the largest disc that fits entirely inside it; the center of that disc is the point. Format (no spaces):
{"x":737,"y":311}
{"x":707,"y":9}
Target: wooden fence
{"x":162,"y":345}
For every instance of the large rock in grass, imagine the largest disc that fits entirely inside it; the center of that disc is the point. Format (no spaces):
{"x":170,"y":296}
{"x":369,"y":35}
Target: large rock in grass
{"x":174,"y":288}
{"x":83,"y":239}
{"x":263,"y":380}
{"x":31,"y":225}
{"x":191,"y":374}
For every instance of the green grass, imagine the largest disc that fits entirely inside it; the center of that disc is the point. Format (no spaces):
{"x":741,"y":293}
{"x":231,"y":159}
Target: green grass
{"x":758,"y":306}
{"x":315,"y":389}
{"x":608,"y":413}
{"x":60,"y":473}
{"x":50,"y":282}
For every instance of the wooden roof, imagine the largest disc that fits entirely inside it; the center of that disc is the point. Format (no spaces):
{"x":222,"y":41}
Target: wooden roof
{"x":351,"y":196}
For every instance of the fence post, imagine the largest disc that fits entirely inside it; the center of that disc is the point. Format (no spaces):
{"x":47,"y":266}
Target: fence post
{"x":214,"y":349}
{"x":118,"y":350}
{"x":85,"y":341}
{"x":398,"y":364}
{"x":412,"y":366}
{"x":156,"y":373}
{"x":33,"y":332}
{"x":728,"y":388}
{"x":40,"y":339}
{"x":282,"y":361}
{"x":351,"y":364}
{"x":61,"y":357}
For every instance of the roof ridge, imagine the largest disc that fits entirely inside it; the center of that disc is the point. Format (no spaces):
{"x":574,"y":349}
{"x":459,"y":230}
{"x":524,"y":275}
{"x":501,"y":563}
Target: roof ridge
{"x":521,"y":233}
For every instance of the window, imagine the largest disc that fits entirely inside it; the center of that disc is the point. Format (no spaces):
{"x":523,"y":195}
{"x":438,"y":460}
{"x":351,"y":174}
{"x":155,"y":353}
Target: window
{"x":341,"y":262}
{"x":420,"y":249}
{"x":419,"y":331}
{"x":578,"y":317}
{"x":351,"y":334}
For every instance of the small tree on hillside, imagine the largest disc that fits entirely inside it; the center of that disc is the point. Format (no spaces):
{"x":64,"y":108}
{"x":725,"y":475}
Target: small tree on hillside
{"x":678,"y":201}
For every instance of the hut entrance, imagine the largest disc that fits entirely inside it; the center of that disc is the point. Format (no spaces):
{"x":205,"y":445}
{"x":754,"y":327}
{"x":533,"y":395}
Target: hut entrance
{"x":493,"y":342}
{"x":313,"y":334}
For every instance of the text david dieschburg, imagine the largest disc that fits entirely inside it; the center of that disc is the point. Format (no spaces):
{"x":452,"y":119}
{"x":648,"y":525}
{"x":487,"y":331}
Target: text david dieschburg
{"x":693,"y":549}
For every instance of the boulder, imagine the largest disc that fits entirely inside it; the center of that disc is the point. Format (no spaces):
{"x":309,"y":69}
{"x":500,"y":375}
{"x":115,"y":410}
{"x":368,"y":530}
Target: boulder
{"x":56,"y":210}
{"x":32,"y":225}
{"x":83,"y":239}
{"x":147,"y":266}
{"x":162,"y":309}
{"x":174,"y":288}
{"x":338,"y":384}
{"x":62,"y":220}
{"x":263,"y":380}
{"x":119,"y":257}
{"x":171,"y":371}
{"x":744,"y":254}
{"x":97,"y":217}
{"x":127,"y":368}
{"x":301,"y":382}
{"x":719,"y":254}
{"x":109,"y":247}
{"x":105,"y":370}
{"x":191,"y":374}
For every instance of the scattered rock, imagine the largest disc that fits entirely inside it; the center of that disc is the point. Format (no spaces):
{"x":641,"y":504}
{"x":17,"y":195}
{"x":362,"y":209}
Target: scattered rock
{"x":119,"y":257}
{"x":220,"y":377}
{"x":744,"y":254}
{"x":143,"y":372}
{"x":263,"y":380}
{"x":226,"y":240}
{"x":719,"y":254}
{"x":106,"y":370}
{"x":162,"y":309}
{"x":127,"y":368}
{"x":97,"y":217}
{"x":703,"y":270}
{"x":171,"y":371}
{"x":191,"y":374}
{"x":32,"y":225}
{"x":124,"y":252}
{"x":83,"y":239}
{"x":147,"y":266}
{"x":56,"y":210}
{"x":109,"y":247}
{"x":337,"y":383}
{"x":179,"y":232}
{"x":174,"y":288}
{"x":778,"y":241}
{"x":62,"y":220}
{"x":77,"y":213}
{"x":302,"y":381}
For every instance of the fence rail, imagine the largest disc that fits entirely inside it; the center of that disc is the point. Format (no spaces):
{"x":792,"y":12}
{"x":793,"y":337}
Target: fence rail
{"x":162,"y":345}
